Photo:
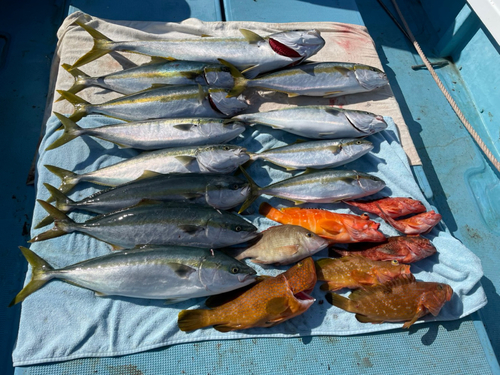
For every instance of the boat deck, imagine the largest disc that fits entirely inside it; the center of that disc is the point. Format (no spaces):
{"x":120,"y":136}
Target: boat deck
{"x":455,"y":177}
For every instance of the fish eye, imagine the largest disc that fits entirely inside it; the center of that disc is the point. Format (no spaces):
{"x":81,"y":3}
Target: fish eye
{"x":440,"y":287}
{"x":309,"y":234}
{"x":238,"y":228}
{"x":358,"y":142}
{"x":394,"y":262}
{"x":300,"y":264}
{"x":234,"y":187}
{"x":225,"y":148}
{"x":234,"y":270}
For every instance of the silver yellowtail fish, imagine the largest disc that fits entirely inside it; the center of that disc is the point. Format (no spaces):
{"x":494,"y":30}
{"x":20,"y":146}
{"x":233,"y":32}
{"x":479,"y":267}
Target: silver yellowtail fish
{"x":326,"y":79}
{"x":162,"y":102}
{"x":319,"y":122}
{"x":174,"y":273}
{"x":220,"y":191}
{"x":252,"y":53}
{"x":156,"y":223}
{"x":284,"y":244}
{"x":197,"y":159}
{"x":155,"y":134}
{"x":324,"y":186}
{"x":316,"y":154}
{"x":146,"y":76}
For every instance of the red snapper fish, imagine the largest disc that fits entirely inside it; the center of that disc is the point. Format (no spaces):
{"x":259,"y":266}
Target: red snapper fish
{"x":339,"y":228}
{"x":392,"y":207}
{"x":417,"y":224}
{"x":401,"y":300}
{"x":401,"y":248}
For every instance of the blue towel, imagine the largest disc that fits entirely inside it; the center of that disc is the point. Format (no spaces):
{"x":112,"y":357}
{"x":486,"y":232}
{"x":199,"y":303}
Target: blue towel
{"x":61,"y":321}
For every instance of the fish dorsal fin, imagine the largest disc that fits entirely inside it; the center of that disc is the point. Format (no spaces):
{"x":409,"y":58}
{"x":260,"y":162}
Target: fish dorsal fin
{"x":251,"y":37}
{"x":147,"y":174}
{"x":181,"y":270}
{"x":277,"y":306}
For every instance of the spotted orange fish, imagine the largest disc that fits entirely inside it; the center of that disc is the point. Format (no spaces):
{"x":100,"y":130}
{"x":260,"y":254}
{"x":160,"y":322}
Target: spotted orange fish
{"x":401,"y":300}
{"x":404,"y":249}
{"x":265,"y":304}
{"x":392,"y":207}
{"x":339,"y":228}
{"x":356,"y":272}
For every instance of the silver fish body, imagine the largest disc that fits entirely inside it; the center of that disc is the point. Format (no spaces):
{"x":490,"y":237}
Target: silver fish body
{"x":325,"y":186}
{"x":316,"y":154}
{"x":326,"y":79}
{"x":156,"y":134}
{"x":319,"y":122}
{"x":197,"y":159}
{"x":145,"y":76}
{"x":172,"y":272}
{"x":284,"y":244}
{"x":162,"y":102}
{"x":156,"y":223}
{"x":251,"y":53}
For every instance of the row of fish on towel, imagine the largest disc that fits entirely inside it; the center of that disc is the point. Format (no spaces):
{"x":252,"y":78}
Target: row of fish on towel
{"x":183,"y":111}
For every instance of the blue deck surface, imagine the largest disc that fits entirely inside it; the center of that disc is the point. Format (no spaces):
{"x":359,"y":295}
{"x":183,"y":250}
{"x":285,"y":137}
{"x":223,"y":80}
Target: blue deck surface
{"x":457,"y":173}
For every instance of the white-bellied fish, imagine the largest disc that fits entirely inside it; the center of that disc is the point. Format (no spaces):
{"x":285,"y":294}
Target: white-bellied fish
{"x":283,"y":244}
{"x":326,"y":79}
{"x":145,"y":76}
{"x":316,"y":154}
{"x":220,"y":191}
{"x":173,"y":273}
{"x":162,"y":102}
{"x":156,"y":223}
{"x":155,"y":134}
{"x":251,"y":53}
{"x":197,"y":159}
{"x":318,"y":122}
{"x":323,"y":186}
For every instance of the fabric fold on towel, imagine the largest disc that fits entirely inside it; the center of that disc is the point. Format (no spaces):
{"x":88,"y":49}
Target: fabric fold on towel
{"x":60,"y":321}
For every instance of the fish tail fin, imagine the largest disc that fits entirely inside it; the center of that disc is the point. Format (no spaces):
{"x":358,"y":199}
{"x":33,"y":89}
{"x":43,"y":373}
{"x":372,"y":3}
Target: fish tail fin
{"x":68,"y":178}
{"x":63,"y":224}
{"x":80,"y":105}
{"x":254,"y":191}
{"x":39,"y":275}
{"x":270,"y":212}
{"x":240,"y":82}
{"x":339,"y":301}
{"x":190,"y":320}
{"x":63,"y":203}
{"x":102,"y":46}
{"x":81,"y":80}
{"x":71,"y":131}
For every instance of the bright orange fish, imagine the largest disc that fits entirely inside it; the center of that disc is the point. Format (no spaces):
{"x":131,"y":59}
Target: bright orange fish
{"x":393,"y":207}
{"x":265,"y":304}
{"x":401,"y":300}
{"x":339,"y":228}
{"x":356,"y":272}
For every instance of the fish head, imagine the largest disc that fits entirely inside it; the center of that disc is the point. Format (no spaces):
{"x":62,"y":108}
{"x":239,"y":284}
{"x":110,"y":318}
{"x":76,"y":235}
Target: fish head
{"x":417,"y":247}
{"x":411,"y":205}
{"x":221,"y":158}
{"x":231,"y":229}
{"x":220,"y":102}
{"x":302,"y":277}
{"x":355,"y":147}
{"x":366,"y":122}
{"x":220,"y":273}
{"x":218,"y":77}
{"x":369,"y":184}
{"x":296,"y":44}
{"x":310,"y":242}
{"x":369,"y":77}
{"x":227,"y":192}
{"x":436,"y":296}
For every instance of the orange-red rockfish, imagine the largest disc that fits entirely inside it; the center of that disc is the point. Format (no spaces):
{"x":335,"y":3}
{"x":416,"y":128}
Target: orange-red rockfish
{"x":392,"y":207}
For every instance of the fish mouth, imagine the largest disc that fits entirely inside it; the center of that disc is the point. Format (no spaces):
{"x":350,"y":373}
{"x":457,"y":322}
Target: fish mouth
{"x":304,"y":296}
{"x":248,"y":277}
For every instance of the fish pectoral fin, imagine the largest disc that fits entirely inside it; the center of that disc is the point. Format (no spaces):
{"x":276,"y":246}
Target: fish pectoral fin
{"x":366,"y":319}
{"x":335,"y":149}
{"x":191,"y":229}
{"x":362,"y":277}
{"x":181,"y":270}
{"x":277,"y":306}
{"x":147,"y":174}
{"x":224,"y":328}
{"x":185,"y":160}
{"x":331,"y":226}
{"x":288,"y":250}
{"x":183,"y":127}
{"x":191,"y":196}
{"x":250,"y":36}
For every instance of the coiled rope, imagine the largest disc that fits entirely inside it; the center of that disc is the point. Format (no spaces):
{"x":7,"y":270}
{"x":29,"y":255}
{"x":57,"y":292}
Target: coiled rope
{"x":445,"y":92}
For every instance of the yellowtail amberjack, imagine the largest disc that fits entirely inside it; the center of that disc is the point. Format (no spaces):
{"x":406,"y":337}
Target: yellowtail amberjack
{"x":173,"y":273}
{"x":252,"y":53}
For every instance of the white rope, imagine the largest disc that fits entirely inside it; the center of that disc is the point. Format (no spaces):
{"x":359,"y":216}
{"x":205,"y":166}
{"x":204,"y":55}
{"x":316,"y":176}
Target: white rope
{"x":453,"y":104}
